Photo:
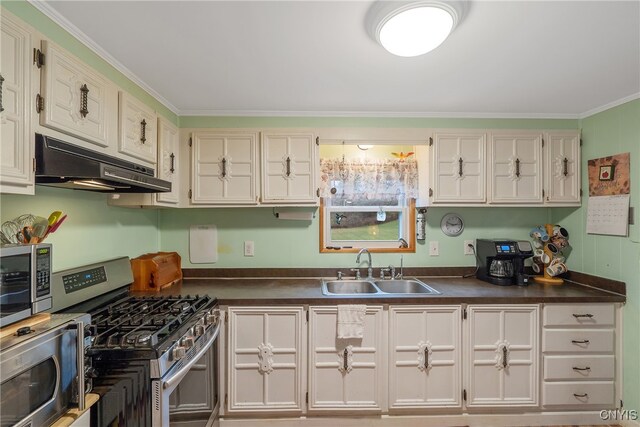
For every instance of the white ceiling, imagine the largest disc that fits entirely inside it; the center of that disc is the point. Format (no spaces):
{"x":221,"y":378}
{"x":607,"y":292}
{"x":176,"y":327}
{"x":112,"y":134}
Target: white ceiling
{"x":505,"y":59}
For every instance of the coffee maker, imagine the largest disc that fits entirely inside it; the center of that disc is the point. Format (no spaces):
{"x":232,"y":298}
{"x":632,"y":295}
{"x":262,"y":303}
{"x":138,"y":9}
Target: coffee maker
{"x":501,"y":262}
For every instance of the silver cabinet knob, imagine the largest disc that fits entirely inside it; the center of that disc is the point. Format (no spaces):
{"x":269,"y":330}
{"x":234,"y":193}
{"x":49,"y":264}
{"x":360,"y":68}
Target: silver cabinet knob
{"x":178,"y":352}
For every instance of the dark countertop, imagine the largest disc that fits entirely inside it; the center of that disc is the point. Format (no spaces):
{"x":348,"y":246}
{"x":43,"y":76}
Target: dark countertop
{"x":454,"y":290}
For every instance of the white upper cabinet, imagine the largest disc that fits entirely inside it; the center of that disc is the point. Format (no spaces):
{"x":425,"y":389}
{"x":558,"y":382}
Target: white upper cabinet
{"x":16,"y":137}
{"x":562,"y":165}
{"x":345,"y":374}
{"x":424,"y":357}
{"x":289,"y":168}
{"x":76,"y":99}
{"x":502,"y":356}
{"x":515,"y":168}
{"x":265,"y":359}
{"x":137,"y":129}
{"x":458,"y":167}
{"x":168,"y":160}
{"x":223,"y":167}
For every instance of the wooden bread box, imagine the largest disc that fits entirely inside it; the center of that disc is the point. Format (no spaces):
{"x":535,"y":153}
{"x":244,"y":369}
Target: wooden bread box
{"x":152,"y":272}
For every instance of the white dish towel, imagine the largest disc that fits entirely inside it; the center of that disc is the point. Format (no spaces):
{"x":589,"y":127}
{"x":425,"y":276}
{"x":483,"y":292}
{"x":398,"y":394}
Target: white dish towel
{"x":351,"y":321}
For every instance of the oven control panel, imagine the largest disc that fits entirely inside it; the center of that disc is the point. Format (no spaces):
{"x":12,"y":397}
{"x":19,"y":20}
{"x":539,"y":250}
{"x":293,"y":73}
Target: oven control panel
{"x":84,"y":279}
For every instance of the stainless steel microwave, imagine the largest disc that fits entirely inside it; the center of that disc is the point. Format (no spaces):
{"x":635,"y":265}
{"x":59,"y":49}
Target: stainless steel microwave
{"x":25,"y":281}
{"x":42,"y":371}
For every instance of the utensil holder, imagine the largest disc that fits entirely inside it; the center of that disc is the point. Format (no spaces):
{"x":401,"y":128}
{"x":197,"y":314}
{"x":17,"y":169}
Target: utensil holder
{"x":546,"y":278}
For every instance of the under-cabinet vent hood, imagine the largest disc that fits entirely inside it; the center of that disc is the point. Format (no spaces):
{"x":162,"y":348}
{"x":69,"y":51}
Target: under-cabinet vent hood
{"x":60,"y":164}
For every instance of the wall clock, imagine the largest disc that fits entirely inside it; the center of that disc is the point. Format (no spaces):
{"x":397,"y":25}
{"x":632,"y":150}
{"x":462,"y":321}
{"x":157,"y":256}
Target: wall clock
{"x":452,"y":224}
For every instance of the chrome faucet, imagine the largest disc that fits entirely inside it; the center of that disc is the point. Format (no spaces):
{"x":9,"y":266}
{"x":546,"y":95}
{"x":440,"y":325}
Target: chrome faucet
{"x":370,"y":269}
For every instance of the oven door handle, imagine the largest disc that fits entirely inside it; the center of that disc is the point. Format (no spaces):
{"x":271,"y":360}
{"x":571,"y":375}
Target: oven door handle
{"x":80,"y":365}
{"x":178,"y":376}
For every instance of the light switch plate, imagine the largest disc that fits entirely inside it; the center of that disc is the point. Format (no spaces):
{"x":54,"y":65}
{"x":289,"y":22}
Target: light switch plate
{"x":249,"y":248}
{"x":469,"y":250}
{"x":434,"y":248}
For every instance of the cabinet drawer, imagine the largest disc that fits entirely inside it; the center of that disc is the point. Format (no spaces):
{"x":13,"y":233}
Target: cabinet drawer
{"x":579,"y":394}
{"x":579,"y":315}
{"x":578,"y":340}
{"x":574,"y":368}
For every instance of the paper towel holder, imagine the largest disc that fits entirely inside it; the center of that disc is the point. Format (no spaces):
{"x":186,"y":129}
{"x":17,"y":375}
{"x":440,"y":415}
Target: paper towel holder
{"x":295,"y":215}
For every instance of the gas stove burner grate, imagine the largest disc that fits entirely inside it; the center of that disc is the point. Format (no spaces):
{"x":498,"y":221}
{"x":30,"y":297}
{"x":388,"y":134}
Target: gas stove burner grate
{"x":142,"y":322}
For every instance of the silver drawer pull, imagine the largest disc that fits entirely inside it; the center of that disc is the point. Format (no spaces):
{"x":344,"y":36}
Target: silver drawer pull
{"x":581,"y":395}
{"x":578,"y":316}
{"x":580,"y":341}
{"x":586,"y":368}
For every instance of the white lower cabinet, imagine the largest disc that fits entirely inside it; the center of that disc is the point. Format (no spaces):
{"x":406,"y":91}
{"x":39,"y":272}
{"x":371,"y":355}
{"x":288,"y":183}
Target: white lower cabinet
{"x":345,"y":374}
{"x":578,"y":348}
{"x":502,"y":356}
{"x":424,"y":357}
{"x":264,"y":360}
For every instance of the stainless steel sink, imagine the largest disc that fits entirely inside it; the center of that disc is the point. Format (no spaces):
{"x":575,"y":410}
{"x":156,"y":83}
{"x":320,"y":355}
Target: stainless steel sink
{"x":350,"y":287}
{"x":377,"y":287}
{"x":405,"y":286}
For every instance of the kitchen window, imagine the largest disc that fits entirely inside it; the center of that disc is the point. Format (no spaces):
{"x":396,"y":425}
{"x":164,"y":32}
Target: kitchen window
{"x":368,"y":198}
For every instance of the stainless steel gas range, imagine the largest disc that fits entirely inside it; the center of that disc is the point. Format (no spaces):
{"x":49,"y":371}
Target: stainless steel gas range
{"x":142,"y":347}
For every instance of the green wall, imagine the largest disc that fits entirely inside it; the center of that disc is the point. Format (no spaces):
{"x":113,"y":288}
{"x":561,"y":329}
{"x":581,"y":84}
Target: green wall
{"x":92,"y":231}
{"x":612,"y":132}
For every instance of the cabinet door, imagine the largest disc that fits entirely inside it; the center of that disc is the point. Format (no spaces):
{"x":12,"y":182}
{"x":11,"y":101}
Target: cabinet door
{"x":289,"y":168}
{"x":195,"y":393}
{"x":223,"y":168}
{"x":458,"y":167}
{"x":345,"y":374}
{"x":264,"y":357}
{"x":15,"y":84}
{"x":562,"y":163}
{"x":137,"y":129}
{"x":75,"y":96}
{"x":516,"y":168}
{"x":168,"y":160}
{"x":424,"y":359}
{"x":502,"y":356}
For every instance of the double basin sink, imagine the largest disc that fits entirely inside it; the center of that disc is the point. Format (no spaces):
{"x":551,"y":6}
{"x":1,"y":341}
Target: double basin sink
{"x":382,"y":287}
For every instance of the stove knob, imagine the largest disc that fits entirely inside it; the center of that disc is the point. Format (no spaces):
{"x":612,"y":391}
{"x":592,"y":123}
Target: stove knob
{"x":199,"y":330}
{"x":212,"y":317}
{"x":178,"y":352}
{"x":186,"y":342}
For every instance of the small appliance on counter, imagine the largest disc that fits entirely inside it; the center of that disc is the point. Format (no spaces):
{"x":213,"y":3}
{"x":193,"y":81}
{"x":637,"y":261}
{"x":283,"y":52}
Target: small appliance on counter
{"x":501,"y":262}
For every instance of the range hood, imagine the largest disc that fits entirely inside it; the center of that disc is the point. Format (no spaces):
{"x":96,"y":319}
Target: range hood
{"x":60,"y":164}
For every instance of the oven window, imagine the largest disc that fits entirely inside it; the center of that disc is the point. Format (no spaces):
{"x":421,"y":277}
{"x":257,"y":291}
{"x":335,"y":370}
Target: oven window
{"x":26,"y":392}
{"x":15,"y":283}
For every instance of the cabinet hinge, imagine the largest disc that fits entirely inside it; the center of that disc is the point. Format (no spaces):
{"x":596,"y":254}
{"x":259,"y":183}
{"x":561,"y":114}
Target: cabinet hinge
{"x":430,"y":192}
{"x":317,"y":140}
{"x":580,"y":142}
{"x":621,"y":404}
{"x":34,"y":164}
{"x":542,"y":142}
{"x":464,"y":395}
{"x":581,"y":192}
{"x":226,"y":400}
{"x":39,"y":103}
{"x":38,"y":57}
{"x":318,"y":192}
{"x":543,"y":193}
{"x":464,"y":313}
{"x":307,"y":315}
{"x":306,"y":398}
{"x":430,"y":141}
{"x":190,"y":141}
{"x":190,"y":193}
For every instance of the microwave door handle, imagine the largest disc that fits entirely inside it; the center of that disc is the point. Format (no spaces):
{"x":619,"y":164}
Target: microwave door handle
{"x":80,"y":365}
{"x":175,"y":379}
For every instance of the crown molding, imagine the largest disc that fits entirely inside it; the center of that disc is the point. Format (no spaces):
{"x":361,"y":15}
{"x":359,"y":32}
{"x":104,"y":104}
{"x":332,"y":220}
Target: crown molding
{"x":44,"y":7}
{"x":364,"y":114}
{"x":610,"y":105}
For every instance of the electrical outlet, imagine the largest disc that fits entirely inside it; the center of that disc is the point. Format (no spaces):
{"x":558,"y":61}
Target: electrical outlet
{"x":469,"y":247}
{"x":434,"y":248}
{"x":249,"y":248}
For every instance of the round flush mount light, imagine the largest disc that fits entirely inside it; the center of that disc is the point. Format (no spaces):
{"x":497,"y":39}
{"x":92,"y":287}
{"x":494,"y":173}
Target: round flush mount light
{"x":414,"y":28}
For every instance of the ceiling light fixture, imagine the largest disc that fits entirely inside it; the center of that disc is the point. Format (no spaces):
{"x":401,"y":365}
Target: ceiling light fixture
{"x":414,"y":28}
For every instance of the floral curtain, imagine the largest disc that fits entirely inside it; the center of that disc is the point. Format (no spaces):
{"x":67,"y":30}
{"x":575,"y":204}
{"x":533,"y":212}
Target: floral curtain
{"x":369,"y":181}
